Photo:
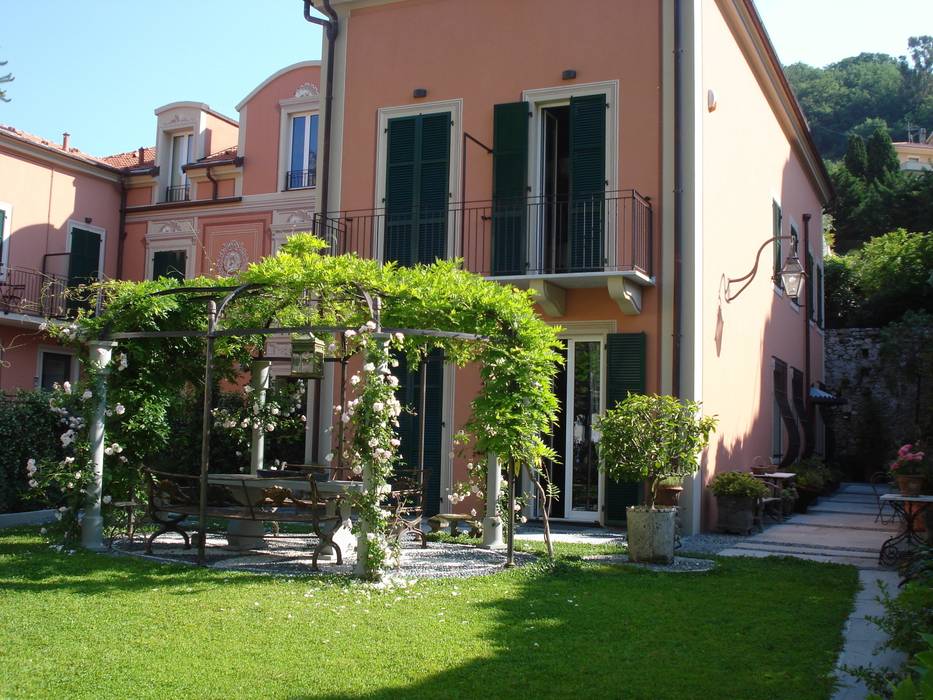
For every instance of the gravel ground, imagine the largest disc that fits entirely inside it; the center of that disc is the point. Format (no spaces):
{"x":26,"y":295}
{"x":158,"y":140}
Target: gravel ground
{"x":290,"y":555}
{"x":711,"y":543}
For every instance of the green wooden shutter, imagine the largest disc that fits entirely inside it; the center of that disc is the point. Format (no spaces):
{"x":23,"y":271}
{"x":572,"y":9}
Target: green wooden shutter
{"x":819,"y":296}
{"x":401,"y":181}
{"x":776,"y":227}
{"x":587,"y":181}
{"x":409,"y":430}
{"x":625,"y":373}
{"x":169,"y":263}
{"x":509,"y":188}
{"x":811,"y":305}
{"x":417,"y":188}
{"x":434,"y":188}
{"x":84,"y":258}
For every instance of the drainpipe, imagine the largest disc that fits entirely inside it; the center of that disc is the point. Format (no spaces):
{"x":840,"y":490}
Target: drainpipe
{"x":678,"y":196}
{"x":807,"y":310}
{"x":330,"y":26}
{"x":121,"y":238}
{"x":210,"y":177}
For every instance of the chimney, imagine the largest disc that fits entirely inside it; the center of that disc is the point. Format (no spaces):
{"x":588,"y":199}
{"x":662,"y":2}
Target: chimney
{"x":142,"y":155}
{"x":65,"y":138}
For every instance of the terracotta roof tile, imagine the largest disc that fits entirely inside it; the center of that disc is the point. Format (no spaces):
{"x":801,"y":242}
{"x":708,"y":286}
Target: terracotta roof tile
{"x":130,"y":159}
{"x":51,"y":145}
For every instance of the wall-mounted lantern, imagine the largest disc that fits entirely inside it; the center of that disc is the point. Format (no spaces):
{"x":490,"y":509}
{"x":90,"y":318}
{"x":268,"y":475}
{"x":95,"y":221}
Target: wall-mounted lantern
{"x":791,"y":274}
{"x":307,"y":357}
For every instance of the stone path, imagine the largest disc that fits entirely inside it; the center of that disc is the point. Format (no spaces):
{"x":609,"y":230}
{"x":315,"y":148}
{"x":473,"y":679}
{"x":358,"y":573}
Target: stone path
{"x":840,"y":529}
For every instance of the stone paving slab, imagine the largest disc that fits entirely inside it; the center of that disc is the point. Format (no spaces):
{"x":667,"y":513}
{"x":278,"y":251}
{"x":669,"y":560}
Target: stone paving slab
{"x":842,"y":520}
{"x":870,"y":556}
{"x":829,"y":506}
{"x":834,"y":538}
{"x":857,"y":562}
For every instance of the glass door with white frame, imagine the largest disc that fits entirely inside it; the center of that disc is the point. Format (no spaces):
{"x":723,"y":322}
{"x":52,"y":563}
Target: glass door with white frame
{"x":575,"y":474}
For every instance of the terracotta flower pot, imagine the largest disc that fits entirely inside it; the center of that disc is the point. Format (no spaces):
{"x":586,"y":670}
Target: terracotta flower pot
{"x":910,"y":484}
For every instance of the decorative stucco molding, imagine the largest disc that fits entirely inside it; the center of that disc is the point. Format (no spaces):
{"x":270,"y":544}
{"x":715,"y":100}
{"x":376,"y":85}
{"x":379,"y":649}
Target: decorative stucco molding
{"x":174,"y":228}
{"x":232,"y":258}
{"x":307,"y":90}
{"x":286,"y":222}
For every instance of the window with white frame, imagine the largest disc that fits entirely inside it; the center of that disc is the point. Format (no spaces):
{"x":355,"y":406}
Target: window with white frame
{"x":302,"y":152}
{"x":178,"y":186}
{"x":6,"y":212}
{"x":55,"y":368}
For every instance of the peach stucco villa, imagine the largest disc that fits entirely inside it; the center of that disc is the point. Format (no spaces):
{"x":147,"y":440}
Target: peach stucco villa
{"x":597,"y":152}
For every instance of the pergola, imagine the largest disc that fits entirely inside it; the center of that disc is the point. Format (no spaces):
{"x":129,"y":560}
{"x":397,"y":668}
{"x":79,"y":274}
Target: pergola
{"x":217,"y":301}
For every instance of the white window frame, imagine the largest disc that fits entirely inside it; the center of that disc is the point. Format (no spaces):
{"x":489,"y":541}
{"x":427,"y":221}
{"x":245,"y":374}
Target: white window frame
{"x":57,"y":350}
{"x":305,"y":159}
{"x":185,"y":180}
{"x":454,"y":195}
{"x":184,"y":238}
{"x":170,"y":246}
{"x":102,"y":232}
{"x":289,"y":107}
{"x":538,"y":100}
{"x":6,"y":235}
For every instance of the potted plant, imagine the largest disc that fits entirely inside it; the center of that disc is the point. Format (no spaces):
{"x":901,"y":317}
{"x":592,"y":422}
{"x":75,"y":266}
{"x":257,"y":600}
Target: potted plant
{"x":737,"y":495}
{"x":909,"y":470}
{"x":649,"y":438}
{"x":789,"y":497}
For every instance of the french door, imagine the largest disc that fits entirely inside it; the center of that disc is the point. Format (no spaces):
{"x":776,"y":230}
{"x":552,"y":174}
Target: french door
{"x":580,"y":389}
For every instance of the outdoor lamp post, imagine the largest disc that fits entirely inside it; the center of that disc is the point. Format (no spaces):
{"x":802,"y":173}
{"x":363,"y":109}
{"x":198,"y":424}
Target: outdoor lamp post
{"x":307,"y":357}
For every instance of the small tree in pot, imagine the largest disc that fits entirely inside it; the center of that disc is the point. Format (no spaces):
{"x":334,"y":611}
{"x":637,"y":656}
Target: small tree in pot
{"x":649,"y":438}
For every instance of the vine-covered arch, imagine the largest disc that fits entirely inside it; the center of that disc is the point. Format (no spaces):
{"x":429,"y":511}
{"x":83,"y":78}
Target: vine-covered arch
{"x":161,"y":328}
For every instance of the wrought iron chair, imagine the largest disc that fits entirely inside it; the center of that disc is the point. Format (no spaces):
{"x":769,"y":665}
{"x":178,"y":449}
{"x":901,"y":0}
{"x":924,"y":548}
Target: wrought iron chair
{"x":881,"y":484}
{"x":406,"y":502}
{"x":324,"y":526}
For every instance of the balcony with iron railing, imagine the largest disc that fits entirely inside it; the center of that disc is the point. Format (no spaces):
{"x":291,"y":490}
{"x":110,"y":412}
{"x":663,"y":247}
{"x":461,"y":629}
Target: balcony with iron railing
{"x":178,"y":193}
{"x":300,"y":179}
{"x":33,"y":293}
{"x":569,"y":242}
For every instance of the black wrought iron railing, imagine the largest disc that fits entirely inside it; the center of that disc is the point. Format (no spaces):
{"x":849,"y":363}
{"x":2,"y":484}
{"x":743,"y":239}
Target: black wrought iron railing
{"x":30,"y":292}
{"x":607,"y":232}
{"x":300,"y":179}
{"x":178,"y":193}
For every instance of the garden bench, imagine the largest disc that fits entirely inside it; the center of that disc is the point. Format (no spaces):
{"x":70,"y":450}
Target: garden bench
{"x":453,"y":520}
{"x":173,"y":498}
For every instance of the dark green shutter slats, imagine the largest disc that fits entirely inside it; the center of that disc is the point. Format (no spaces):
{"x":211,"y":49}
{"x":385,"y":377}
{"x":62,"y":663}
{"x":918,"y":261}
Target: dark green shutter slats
{"x":409,"y":394}
{"x":2,"y":223}
{"x":417,"y":188}
{"x":401,"y":178}
{"x":84,"y":257}
{"x":587,"y":181}
{"x":169,"y":263}
{"x":509,"y":188}
{"x":625,"y":373}
{"x":787,"y":415}
{"x":800,"y":407}
{"x":811,"y":301}
{"x":819,"y":296}
{"x":776,"y":227}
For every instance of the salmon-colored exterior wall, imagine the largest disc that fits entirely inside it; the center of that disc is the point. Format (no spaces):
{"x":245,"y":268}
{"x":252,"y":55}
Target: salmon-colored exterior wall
{"x":221,"y":134}
{"x":47,"y":196}
{"x":748,"y":161}
{"x":263,"y":128}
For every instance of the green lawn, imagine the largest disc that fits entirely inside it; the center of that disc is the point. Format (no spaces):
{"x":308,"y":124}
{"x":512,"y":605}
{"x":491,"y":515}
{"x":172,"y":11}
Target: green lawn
{"x":99,"y":626}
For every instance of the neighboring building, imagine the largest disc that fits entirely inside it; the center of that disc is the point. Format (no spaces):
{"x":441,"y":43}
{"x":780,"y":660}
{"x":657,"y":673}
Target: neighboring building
{"x":60,"y":216}
{"x":915,"y":156}
{"x":213,"y":195}
{"x":560,"y":148}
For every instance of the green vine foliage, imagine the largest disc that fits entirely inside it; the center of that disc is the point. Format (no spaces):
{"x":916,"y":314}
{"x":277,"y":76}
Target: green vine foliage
{"x":28,"y":430}
{"x":517,"y":356}
{"x":651,"y":437}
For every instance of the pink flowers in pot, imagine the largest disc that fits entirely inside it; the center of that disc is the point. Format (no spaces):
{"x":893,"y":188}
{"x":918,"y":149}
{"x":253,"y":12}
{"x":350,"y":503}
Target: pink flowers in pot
{"x":907,"y":462}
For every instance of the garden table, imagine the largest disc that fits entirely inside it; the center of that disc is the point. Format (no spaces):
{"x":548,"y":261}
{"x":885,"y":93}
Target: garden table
{"x":247,"y":534}
{"x":908,"y":509}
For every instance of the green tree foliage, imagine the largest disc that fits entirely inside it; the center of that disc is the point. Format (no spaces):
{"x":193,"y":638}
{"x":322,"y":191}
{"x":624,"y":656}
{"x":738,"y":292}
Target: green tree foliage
{"x":877,"y":283}
{"x":852,"y":94}
{"x":27,"y":430}
{"x":882,"y":160}
{"x":8,"y":78}
{"x":856,"y":160}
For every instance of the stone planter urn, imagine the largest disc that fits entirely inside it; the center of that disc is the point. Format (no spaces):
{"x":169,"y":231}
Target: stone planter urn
{"x":736,"y":514}
{"x":650,"y":533}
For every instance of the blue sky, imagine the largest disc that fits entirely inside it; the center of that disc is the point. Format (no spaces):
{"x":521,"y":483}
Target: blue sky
{"x":98,"y":68}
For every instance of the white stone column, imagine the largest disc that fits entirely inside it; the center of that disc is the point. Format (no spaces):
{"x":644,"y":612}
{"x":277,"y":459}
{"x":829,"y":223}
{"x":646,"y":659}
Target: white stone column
{"x":310,"y":404}
{"x":259,"y":380}
{"x":492,"y":523}
{"x":362,"y":540}
{"x":92,"y":525}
